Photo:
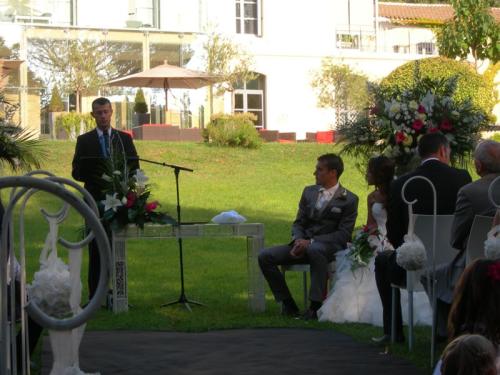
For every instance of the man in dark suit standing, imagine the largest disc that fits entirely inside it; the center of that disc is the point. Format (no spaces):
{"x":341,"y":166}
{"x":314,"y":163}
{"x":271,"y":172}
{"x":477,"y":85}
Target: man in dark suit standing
{"x":434,"y":150}
{"x":324,"y":223}
{"x":91,"y":148}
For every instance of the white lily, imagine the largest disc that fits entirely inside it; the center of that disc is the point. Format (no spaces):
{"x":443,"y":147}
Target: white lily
{"x":428,"y":102}
{"x":111,"y":202}
{"x":105,"y":177}
{"x":141,"y":178}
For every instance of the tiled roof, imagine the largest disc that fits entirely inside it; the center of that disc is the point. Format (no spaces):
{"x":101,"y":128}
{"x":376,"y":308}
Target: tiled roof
{"x":435,"y":12}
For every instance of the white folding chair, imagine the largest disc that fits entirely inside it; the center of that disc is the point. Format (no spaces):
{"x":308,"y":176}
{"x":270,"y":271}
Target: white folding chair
{"x":478,"y":234}
{"x":444,"y":254}
{"x":304,"y":268}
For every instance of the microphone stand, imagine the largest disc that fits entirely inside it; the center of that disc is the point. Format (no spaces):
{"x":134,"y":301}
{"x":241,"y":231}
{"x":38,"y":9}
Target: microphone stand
{"x":182,"y":298}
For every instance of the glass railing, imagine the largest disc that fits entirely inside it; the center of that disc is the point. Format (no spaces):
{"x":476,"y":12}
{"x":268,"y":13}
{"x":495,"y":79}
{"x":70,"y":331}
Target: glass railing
{"x":365,"y":40}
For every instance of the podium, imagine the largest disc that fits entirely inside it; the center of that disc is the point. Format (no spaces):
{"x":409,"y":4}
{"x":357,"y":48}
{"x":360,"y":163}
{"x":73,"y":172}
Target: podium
{"x":254,"y":233}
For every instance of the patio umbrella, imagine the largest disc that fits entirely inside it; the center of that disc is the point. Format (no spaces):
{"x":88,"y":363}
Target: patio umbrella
{"x":167,"y":77}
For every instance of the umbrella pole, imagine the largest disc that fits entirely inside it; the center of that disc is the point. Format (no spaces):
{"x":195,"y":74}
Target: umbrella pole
{"x":166,"y":104}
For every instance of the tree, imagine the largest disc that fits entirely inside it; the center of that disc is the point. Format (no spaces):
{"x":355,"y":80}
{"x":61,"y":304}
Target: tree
{"x":472,"y":30}
{"x":228,"y":61}
{"x":78,"y":66}
{"x":340,"y":88}
{"x":56,"y":104}
{"x":140,"y":105}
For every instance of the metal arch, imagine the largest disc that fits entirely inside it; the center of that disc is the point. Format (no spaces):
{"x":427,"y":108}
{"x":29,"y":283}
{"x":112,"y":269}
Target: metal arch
{"x":88,"y":199}
{"x":28,"y":182}
{"x":434,"y":233}
{"x":490,"y":193}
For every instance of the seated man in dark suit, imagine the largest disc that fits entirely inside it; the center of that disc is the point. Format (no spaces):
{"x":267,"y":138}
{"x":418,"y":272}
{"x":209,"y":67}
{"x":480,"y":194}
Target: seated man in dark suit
{"x":472,"y":200}
{"x":325,"y":220}
{"x":91,"y":148}
{"x":434,"y":150}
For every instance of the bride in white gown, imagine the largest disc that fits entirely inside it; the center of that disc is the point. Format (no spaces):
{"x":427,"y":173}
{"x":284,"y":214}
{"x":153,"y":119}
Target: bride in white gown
{"x":354,"y":297}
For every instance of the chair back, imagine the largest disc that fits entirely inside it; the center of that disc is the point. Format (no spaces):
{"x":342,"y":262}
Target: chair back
{"x":478,"y":233}
{"x":424,"y":225}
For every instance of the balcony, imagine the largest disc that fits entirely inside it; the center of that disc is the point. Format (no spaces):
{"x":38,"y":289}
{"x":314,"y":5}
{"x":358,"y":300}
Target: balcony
{"x":364,"y":39}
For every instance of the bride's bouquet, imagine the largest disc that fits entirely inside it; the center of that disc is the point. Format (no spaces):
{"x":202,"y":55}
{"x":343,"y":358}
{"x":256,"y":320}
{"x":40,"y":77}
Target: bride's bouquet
{"x":366,"y":243}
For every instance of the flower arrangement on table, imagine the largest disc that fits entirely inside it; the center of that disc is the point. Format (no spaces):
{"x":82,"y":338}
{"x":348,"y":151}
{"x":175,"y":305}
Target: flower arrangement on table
{"x":127,"y":201}
{"x":366,"y":243}
{"x":396,"y":121}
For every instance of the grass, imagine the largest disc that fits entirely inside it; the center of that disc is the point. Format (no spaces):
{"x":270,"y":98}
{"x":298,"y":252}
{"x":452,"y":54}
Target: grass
{"x":263,"y":185}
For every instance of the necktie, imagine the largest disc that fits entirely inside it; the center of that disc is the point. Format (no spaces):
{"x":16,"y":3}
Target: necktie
{"x":105,"y":135}
{"x":322,"y":198}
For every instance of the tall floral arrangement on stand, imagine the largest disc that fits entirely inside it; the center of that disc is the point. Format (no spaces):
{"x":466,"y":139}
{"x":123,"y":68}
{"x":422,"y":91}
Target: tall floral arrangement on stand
{"x":127,"y":197}
{"x":127,"y":202}
{"x":394,"y":123}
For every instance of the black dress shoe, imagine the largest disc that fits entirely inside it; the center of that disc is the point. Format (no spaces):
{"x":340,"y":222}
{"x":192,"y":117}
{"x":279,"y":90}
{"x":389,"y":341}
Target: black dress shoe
{"x":310,"y":314}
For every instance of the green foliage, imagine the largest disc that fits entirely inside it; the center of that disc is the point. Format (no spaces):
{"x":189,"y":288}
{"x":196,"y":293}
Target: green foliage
{"x":56,"y":104}
{"x":496,"y":137}
{"x":75,"y":123}
{"x":140,"y":105}
{"x":228,"y":61}
{"x":19,"y":148}
{"x":340,"y":88}
{"x":236,"y":130}
{"x":78,"y":66}
{"x":470,"y":85}
{"x":473,"y":30}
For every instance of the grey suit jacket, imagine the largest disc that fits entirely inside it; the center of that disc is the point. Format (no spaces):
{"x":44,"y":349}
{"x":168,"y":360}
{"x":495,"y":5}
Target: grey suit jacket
{"x":472,"y":200}
{"x":333,"y":225}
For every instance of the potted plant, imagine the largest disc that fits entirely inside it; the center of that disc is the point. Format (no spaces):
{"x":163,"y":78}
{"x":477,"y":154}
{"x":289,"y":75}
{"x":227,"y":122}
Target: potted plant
{"x":141,"y":109}
{"x":55,"y":108}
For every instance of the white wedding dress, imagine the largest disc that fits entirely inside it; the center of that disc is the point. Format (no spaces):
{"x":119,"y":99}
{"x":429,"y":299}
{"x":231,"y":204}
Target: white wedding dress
{"x":355,"y":298}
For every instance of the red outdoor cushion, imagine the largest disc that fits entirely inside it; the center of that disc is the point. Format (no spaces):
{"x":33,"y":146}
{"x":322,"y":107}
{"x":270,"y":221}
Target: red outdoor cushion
{"x":325,"y":136}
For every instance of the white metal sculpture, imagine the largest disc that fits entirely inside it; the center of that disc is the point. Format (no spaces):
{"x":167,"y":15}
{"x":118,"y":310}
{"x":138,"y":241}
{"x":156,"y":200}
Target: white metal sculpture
{"x":66,"y":321}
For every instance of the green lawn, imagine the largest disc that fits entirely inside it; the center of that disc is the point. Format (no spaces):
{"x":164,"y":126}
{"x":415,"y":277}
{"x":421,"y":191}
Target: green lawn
{"x":263,"y":185}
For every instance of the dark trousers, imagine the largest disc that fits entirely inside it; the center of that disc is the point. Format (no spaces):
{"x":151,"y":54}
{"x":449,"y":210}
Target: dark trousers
{"x":95,"y":264}
{"x":317,"y":255}
{"x":34,"y":329}
{"x":387,"y":271}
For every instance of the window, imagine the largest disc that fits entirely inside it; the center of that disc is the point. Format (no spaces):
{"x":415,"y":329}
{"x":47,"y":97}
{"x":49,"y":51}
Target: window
{"x":426,"y":48}
{"x":249,"y":97}
{"x":247,"y":17}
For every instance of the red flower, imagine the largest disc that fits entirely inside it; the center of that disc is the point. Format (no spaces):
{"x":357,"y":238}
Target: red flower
{"x":494,"y":271}
{"x":151,"y":206}
{"x":374,"y":111}
{"x":400,"y":137}
{"x":446,"y":125}
{"x":421,"y":109}
{"x":131,"y":198}
{"x":417,"y":124}
{"x":433,"y":130}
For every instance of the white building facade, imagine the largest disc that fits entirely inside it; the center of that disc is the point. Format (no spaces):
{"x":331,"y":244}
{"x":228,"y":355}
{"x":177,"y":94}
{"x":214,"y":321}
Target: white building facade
{"x":287,"y":39}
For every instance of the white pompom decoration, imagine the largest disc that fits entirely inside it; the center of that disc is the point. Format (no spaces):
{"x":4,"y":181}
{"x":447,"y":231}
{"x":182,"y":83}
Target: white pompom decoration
{"x":492,"y":244}
{"x":411,"y":254}
{"x":51,"y":288}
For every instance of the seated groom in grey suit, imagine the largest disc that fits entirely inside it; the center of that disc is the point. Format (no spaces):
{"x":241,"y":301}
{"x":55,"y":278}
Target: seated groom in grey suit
{"x":324,"y":224}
